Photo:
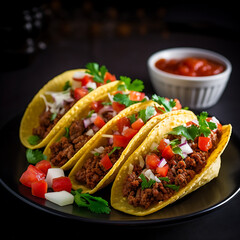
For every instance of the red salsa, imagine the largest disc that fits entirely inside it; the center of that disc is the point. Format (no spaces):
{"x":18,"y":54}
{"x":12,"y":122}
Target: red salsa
{"x":191,"y":66}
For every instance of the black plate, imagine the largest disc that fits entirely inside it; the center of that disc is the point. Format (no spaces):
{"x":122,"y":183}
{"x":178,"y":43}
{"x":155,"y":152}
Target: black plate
{"x":209,"y":197}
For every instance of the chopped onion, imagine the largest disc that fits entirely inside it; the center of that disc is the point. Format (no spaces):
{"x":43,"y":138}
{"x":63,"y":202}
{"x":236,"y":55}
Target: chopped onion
{"x":162,"y":163}
{"x":110,"y":97}
{"x":53,"y":173}
{"x":185,"y":148}
{"x":167,"y":141}
{"x":107,"y":135}
{"x":79,"y":75}
{"x":61,"y":198}
{"x":110,"y":141}
{"x":130,"y":168}
{"x":149,"y":175}
{"x":92,"y":85}
{"x":141,"y":161}
{"x":90,"y":133}
{"x":98,"y":150}
{"x":86,"y":122}
{"x":105,"y":109}
{"x":95,"y":128}
{"x":183,"y":139}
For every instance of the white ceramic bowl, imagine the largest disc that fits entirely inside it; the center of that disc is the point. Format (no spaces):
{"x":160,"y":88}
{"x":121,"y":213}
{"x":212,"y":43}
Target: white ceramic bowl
{"x":194,"y":92}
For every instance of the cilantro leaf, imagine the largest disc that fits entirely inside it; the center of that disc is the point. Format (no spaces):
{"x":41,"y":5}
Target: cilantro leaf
{"x":124,"y":99}
{"x":114,"y":149}
{"x":164,"y":179}
{"x":35,"y":156}
{"x":178,"y":150}
{"x":66,"y":132}
{"x":168,"y":105}
{"x":97,"y":73}
{"x":172,"y":186}
{"x":66,"y":86}
{"x":53,"y":116}
{"x":33,"y":139}
{"x":145,"y":183}
{"x":136,"y":85}
{"x":183,"y":131}
{"x":204,"y":126}
{"x":147,"y":113}
{"x":132,"y":118}
{"x":94,"y":204}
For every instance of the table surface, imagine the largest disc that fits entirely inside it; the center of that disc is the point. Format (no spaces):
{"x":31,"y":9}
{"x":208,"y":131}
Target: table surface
{"x":122,"y":56}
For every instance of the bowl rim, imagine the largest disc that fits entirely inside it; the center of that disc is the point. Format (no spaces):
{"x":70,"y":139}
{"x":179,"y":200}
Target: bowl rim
{"x":155,"y":56}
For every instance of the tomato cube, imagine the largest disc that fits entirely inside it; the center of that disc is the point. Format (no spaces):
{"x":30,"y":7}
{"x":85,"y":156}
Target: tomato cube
{"x":137,"y":125}
{"x":130,"y":133}
{"x":99,"y":122}
{"x":162,"y":170}
{"x":152,"y":161}
{"x":118,"y":107}
{"x":96,"y":105}
{"x":39,"y":188}
{"x":123,"y":122}
{"x":61,"y":184}
{"x":106,"y":162}
{"x":136,"y":96}
{"x":43,"y":165}
{"x":162,"y":145}
{"x":204,"y":143}
{"x":80,"y":93}
{"x":32,"y":174}
{"x":120,"y":141}
{"x":167,"y":152}
{"x":109,"y":77}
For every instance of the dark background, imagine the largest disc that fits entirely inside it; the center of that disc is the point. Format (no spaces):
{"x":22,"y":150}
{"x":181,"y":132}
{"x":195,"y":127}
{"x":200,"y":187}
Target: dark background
{"x":42,"y":39}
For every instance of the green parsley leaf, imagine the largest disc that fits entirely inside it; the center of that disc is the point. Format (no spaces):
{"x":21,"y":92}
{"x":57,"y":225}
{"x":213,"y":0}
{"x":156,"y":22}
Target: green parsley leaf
{"x":33,"y":139}
{"x":183,"y":131}
{"x":166,"y":179}
{"x":175,"y":142}
{"x":66,"y":132}
{"x":97,"y":73}
{"x":90,"y":113}
{"x":172,"y":186}
{"x":145,"y":183}
{"x":147,"y":113}
{"x":124,"y":99}
{"x":66,"y":86}
{"x":204,"y":126}
{"x":136,"y":85}
{"x":132,"y":118}
{"x":168,"y":105}
{"x":114,"y":149}
{"x":53,"y":116}
{"x":94,"y":204}
{"x":96,"y":154}
{"x":35,"y":156}
{"x":178,"y":150}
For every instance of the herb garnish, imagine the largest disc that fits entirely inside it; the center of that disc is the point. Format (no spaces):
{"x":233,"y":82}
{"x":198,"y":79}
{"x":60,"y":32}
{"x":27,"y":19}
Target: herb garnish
{"x":114,"y":149}
{"x":147,"y":113}
{"x":145,"y":183}
{"x":168,"y":105}
{"x":97,"y":72}
{"x":124,"y":99}
{"x":66,"y":86}
{"x":33,"y":139}
{"x":94,"y":204}
{"x":136,"y":85}
{"x":35,"y":156}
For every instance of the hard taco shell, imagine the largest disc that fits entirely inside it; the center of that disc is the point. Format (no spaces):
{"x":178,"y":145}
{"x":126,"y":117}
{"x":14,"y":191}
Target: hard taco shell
{"x":36,"y":107}
{"x":209,"y":172}
{"x":98,"y":140}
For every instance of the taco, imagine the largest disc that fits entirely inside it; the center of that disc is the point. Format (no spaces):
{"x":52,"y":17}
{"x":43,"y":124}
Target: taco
{"x":107,"y":151}
{"x":59,"y":99}
{"x":68,"y":145}
{"x":179,"y":155}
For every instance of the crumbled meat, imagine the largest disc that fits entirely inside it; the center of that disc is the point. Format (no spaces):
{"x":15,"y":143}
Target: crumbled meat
{"x":92,"y":171}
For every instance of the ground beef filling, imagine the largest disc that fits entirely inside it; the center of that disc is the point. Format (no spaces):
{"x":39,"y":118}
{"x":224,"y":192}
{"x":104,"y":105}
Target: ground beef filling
{"x":181,"y":172}
{"x":65,"y":149}
{"x":93,"y":171}
{"x":46,"y":123}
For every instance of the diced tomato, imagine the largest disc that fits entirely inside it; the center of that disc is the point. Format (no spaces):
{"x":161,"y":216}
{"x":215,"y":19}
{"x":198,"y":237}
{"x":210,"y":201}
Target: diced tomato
{"x":204,"y":143}
{"x":178,"y":105}
{"x":219,"y":126}
{"x":61,"y":184}
{"x":120,"y":141}
{"x":39,"y":188}
{"x":109,"y":77}
{"x":137,"y":125}
{"x":121,"y":92}
{"x":32,"y":174}
{"x":152,"y":161}
{"x":167,"y":152}
{"x":80,"y":93}
{"x":106,"y":162}
{"x":118,"y":107}
{"x":96,"y":105}
{"x":160,"y":110}
{"x":43,"y":165}
{"x":130,"y":133}
{"x":99,"y":122}
{"x":162,"y":145}
{"x":85,"y":80}
{"x":162,"y":170}
{"x":123,"y":122}
{"x":190,"y":123}
{"x":136,"y":96}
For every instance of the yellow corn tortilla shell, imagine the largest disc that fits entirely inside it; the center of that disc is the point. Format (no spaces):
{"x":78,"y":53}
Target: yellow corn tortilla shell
{"x":30,"y":118}
{"x":98,"y":141}
{"x":209,"y":172}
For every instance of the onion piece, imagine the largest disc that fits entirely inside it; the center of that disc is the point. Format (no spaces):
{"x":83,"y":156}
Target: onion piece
{"x":61,"y":198}
{"x":98,"y":150}
{"x":86,"y":122}
{"x":53,"y":173}
{"x":110,"y":97}
{"x":90,"y":133}
{"x":105,"y":109}
{"x":153,"y":146}
{"x":162,"y":163}
{"x":185,"y":148}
